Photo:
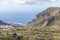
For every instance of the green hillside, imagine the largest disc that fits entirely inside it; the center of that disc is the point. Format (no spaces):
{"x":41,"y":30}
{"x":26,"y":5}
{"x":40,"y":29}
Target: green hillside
{"x":46,"y":25}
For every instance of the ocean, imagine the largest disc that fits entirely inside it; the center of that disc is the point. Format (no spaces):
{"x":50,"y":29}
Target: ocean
{"x":18,"y":16}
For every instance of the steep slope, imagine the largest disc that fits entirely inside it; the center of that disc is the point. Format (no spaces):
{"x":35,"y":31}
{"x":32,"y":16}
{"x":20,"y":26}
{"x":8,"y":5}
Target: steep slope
{"x":46,"y":25}
{"x":45,"y":18}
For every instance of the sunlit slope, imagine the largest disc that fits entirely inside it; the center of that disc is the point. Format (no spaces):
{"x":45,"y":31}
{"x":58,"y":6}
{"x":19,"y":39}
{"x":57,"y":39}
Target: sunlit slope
{"x":46,"y":18}
{"x":46,"y":25}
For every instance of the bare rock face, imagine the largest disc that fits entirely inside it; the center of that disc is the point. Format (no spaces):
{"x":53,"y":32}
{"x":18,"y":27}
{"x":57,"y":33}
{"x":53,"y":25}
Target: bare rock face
{"x":46,"y":25}
{"x":48,"y":17}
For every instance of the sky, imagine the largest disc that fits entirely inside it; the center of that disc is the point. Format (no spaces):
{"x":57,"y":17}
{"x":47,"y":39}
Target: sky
{"x":24,"y":10}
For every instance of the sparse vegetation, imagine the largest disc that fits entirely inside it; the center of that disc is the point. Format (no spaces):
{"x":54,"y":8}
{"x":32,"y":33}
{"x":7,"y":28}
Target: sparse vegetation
{"x":46,"y":26}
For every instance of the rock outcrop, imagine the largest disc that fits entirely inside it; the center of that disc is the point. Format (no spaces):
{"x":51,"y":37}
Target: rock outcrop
{"x":46,"y":18}
{"x":46,"y":25}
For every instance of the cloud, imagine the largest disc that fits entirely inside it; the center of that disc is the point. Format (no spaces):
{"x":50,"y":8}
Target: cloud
{"x":6,"y":2}
{"x":47,"y":0}
{"x":53,"y":0}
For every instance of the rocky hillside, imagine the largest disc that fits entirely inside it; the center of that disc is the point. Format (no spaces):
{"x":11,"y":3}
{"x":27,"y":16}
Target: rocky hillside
{"x":46,"y":25}
{"x":49,"y":17}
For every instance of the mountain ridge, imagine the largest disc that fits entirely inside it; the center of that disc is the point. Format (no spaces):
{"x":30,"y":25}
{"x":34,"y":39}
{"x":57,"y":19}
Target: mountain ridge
{"x":46,"y":25}
{"x":45,"y":18}
{"x":2,"y":23}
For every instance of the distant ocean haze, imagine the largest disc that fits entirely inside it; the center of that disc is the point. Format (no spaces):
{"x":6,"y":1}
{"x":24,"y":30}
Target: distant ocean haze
{"x":18,"y":16}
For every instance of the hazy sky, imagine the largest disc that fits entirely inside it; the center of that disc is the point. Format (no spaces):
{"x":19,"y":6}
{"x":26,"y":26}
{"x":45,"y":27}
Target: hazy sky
{"x":24,"y":10}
